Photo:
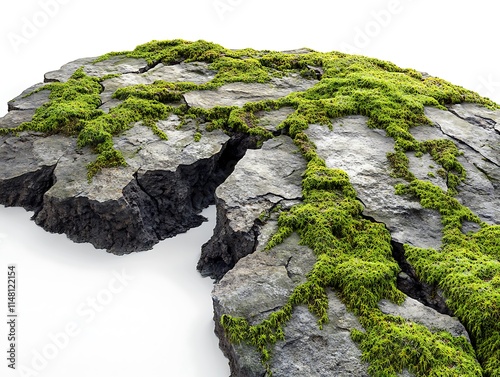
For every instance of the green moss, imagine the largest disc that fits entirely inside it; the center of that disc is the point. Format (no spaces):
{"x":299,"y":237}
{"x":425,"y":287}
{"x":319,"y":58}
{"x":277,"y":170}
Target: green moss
{"x":395,"y":344}
{"x":353,"y":254}
{"x":400,"y":165}
{"x":354,"y":257}
{"x":70,"y":105}
{"x":392,"y":98}
{"x":72,"y":110}
{"x":467,"y":268}
{"x":172,"y":51}
{"x":329,"y":219}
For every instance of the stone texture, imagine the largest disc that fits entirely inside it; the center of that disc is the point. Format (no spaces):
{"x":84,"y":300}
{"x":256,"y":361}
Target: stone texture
{"x":257,"y":185}
{"x":361,"y":152}
{"x":483,"y":140}
{"x":481,"y":189}
{"x":15,"y":117}
{"x":114,"y":65}
{"x":270,"y":120}
{"x":32,"y":102}
{"x":195,"y":72}
{"x":239,"y":93}
{"x":309,"y":351}
{"x":167,"y":183}
{"x":261,"y":283}
{"x":122,"y":210}
{"x":415,"y":311}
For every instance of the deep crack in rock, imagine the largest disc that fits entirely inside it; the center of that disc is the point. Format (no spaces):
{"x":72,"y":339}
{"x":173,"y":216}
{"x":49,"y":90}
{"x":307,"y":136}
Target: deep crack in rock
{"x":409,"y":283}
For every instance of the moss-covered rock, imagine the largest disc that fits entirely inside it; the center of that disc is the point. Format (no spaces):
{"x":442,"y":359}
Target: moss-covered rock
{"x":123,"y":150}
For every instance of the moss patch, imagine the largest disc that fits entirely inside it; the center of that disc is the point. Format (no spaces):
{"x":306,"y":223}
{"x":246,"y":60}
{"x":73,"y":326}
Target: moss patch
{"x":354,"y":258}
{"x":73,"y":111}
{"x":392,"y":97}
{"x":354,"y":255}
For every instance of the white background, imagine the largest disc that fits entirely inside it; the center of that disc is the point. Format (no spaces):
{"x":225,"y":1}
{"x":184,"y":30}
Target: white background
{"x":159,"y":324}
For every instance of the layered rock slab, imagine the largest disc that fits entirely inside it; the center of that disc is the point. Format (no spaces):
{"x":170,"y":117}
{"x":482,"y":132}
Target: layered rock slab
{"x":261,"y":283}
{"x":160,"y":192}
{"x":264,"y":179}
{"x":158,"y":195}
{"x":239,"y":93}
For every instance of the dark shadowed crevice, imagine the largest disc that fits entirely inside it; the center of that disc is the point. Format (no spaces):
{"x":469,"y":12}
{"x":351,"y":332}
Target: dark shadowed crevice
{"x":476,"y":120}
{"x":409,"y":283}
{"x":154,"y":205}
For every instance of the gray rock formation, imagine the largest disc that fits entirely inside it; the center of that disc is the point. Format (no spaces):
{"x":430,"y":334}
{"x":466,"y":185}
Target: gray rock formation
{"x":261,"y":283}
{"x":166,"y":184}
{"x":256,"y":187}
{"x":238,"y":93}
{"x":159,"y":194}
{"x":127,"y":209}
{"x":415,"y":311}
{"x":114,"y":65}
{"x":366,"y":163}
{"x":475,"y":131}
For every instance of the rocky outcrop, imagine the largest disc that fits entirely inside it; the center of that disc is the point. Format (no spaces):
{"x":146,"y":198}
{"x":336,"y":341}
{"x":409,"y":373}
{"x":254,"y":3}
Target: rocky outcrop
{"x":256,"y":188}
{"x":475,"y":131}
{"x":244,"y":160}
{"x":366,"y":163}
{"x":122,"y":210}
{"x":261,"y":282}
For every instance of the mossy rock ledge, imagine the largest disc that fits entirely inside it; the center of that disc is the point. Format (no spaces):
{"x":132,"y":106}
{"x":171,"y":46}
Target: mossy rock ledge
{"x":358,"y":203}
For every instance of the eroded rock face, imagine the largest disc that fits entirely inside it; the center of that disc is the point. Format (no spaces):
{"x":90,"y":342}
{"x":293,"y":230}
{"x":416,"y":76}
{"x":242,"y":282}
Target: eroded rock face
{"x":415,"y":311}
{"x":122,"y":210}
{"x":166,"y":184}
{"x":262,"y":282}
{"x":258,"y":185}
{"x":475,"y":131}
{"x":113,"y":65}
{"x":158,"y":195}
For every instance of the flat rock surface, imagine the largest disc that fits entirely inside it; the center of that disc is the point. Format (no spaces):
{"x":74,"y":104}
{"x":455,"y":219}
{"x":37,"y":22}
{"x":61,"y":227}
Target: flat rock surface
{"x":239,"y":93}
{"x":415,"y":311}
{"x":361,"y":152}
{"x":481,"y":189}
{"x":114,"y":65}
{"x":196,"y":72}
{"x":261,"y":283}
